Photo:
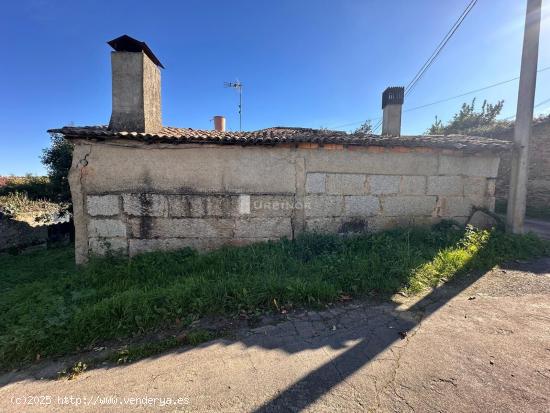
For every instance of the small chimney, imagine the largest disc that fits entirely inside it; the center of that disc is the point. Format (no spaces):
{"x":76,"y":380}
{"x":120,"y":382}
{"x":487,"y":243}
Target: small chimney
{"x":219,"y":123}
{"x":392,"y":102}
{"x":136,"y":87}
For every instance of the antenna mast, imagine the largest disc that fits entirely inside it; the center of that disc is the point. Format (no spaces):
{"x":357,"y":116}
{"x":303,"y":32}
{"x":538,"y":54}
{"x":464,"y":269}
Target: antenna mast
{"x":239,"y":86}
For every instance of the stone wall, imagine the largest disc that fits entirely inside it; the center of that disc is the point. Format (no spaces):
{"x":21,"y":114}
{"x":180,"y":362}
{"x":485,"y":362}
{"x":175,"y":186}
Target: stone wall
{"x":137,"y":198}
{"x":15,"y":234}
{"x":538,"y":188}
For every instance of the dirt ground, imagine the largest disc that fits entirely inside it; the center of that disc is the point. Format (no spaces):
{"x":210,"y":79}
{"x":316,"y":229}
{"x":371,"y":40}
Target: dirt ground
{"x":480,"y":343}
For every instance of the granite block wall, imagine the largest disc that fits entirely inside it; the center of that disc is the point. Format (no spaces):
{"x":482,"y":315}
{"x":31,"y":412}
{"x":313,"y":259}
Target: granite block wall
{"x":208,"y":196}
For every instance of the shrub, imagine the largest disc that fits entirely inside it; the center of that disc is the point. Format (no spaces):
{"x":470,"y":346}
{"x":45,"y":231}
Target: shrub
{"x":35,"y":187}
{"x":57,"y":159}
{"x":16,"y":204}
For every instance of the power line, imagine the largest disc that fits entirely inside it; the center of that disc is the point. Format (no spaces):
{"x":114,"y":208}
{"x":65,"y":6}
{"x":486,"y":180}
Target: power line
{"x":354,"y":123}
{"x":378,"y":125}
{"x":445,"y":99}
{"x":428,"y":63}
{"x":470,"y":92}
{"x":439,"y":47}
{"x":536,"y":106}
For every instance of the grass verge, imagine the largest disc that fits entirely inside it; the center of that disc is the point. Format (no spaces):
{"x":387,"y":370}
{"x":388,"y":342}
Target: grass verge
{"x":49,"y":307}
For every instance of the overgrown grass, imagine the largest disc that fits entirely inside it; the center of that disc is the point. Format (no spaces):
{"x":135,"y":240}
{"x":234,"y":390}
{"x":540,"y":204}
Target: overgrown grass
{"x":48,"y":307}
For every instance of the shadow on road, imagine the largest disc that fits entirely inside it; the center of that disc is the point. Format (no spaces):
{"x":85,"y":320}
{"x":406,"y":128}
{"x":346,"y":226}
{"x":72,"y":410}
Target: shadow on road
{"x":374,"y":326}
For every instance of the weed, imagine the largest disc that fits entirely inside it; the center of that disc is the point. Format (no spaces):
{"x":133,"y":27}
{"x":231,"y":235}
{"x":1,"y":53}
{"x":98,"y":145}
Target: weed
{"x":71,"y":373}
{"x":50,"y":307}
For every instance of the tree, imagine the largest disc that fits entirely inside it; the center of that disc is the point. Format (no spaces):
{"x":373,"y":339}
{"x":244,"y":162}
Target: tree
{"x":468,"y":119}
{"x":366,"y":127}
{"x":57,"y":160}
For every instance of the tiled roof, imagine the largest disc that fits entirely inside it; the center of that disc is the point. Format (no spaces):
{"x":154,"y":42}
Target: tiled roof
{"x":278,"y":135}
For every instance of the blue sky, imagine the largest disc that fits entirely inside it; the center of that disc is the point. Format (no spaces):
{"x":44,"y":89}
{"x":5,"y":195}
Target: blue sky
{"x":311,"y":63}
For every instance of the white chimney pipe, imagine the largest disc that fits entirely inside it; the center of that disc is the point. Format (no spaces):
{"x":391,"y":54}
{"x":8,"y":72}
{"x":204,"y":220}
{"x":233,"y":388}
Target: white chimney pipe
{"x":219,"y":123}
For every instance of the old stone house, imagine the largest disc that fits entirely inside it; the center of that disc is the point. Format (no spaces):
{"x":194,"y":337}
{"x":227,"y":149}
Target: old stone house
{"x":139,"y":186}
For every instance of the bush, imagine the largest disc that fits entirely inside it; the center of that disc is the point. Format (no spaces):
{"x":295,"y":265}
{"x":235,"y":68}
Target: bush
{"x":57,"y":159}
{"x":35,"y":187}
{"x":17,"y":204}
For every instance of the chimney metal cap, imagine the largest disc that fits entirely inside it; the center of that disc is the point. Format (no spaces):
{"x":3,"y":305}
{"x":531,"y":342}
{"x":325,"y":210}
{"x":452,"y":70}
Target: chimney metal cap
{"x":126,"y":43}
{"x":393,"y":96}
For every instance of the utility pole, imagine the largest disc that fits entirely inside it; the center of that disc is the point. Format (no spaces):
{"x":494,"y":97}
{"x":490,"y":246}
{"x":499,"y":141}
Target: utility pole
{"x":517,"y":195}
{"x":239,"y":86}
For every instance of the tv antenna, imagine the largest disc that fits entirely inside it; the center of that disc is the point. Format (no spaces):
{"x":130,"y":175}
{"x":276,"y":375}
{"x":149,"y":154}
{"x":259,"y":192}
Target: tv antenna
{"x":239,"y":86}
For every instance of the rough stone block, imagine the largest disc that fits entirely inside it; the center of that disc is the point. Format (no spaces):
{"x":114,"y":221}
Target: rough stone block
{"x":181,"y":227}
{"x":198,"y":206}
{"x":475,"y":186}
{"x":380,"y":223}
{"x":20,"y":234}
{"x":263,"y":228}
{"x":445,"y":185}
{"x":220,"y":206}
{"x":383,"y":184}
{"x":353,"y":225}
{"x":186,"y":206}
{"x":102,"y":246}
{"x":408,"y":205}
{"x":139,"y":246}
{"x":361,"y":205}
{"x":323,"y":205}
{"x":108,"y":228}
{"x":105,"y":205}
{"x":454,"y":206}
{"x":316,"y":183}
{"x":273,"y":205}
{"x":469,"y":165}
{"x":191,"y":206}
{"x":239,"y":242}
{"x":482,"y":220}
{"x":413,"y":185}
{"x":153,"y":205}
{"x":323,"y":225}
{"x":346,"y":184}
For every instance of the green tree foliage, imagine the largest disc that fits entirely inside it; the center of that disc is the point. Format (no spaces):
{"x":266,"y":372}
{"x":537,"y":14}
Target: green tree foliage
{"x":57,"y":160}
{"x":468,"y":119}
{"x":366,"y":127}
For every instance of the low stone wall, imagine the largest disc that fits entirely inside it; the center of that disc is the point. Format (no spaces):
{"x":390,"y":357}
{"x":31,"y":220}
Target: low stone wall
{"x":150,"y":197}
{"x":16,"y":234}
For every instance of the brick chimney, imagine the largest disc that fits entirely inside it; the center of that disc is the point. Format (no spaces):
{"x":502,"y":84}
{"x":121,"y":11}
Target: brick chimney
{"x":136,"y":87}
{"x":392,"y":103}
{"x":219,"y":123}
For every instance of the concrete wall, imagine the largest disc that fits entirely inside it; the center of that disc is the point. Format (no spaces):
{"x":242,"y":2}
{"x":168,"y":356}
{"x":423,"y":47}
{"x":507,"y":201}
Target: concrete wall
{"x":134,"y":198}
